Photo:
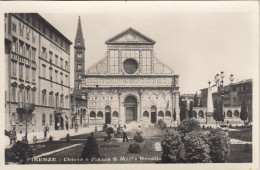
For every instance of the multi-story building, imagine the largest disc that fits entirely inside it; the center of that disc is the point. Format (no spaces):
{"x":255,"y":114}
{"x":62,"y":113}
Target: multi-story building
{"x":234,"y":95}
{"x":130,"y":84}
{"x":37,"y":78}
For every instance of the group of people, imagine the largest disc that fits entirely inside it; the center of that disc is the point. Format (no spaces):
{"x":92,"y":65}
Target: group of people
{"x":138,"y":132}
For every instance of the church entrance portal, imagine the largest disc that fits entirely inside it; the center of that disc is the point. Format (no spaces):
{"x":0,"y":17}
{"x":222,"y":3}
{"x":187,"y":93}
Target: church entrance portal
{"x":130,"y":109}
{"x":107,"y":115}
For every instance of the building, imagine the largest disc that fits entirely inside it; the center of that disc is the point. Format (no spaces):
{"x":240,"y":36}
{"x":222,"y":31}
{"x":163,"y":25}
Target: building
{"x":78,"y":101}
{"x":235,"y":94}
{"x":130,"y":84}
{"x":37,"y":87}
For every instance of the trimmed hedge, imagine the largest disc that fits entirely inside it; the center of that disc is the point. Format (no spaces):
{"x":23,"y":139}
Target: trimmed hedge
{"x":134,"y":148}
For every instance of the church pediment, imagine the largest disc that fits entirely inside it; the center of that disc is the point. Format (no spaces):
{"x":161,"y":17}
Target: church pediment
{"x":130,"y":36}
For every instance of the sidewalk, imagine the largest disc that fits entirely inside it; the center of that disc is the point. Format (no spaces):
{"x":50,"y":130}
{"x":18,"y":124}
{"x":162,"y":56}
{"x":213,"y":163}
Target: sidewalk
{"x":56,"y":135}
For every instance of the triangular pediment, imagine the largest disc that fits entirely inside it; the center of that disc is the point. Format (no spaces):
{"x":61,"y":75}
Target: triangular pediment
{"x":130,"y":36}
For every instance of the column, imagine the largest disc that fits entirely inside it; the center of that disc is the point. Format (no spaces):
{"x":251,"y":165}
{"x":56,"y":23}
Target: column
{"x":140,"y":105}
{"x":176,"y":104}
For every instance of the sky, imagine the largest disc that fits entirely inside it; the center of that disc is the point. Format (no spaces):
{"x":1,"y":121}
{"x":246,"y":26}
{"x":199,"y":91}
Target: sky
{"x":197,"y":40}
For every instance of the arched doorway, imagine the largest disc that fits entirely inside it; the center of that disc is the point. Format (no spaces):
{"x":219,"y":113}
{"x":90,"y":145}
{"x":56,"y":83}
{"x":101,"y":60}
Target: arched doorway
{"x":131,"y":108}
{"x":153,"y":114}
{"x":107,"y":114}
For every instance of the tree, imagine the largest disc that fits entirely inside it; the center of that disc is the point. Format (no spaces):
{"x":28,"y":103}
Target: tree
{"x":196,"y":101}
{"x":244,"y":113}
{"x":190,"y":110}
{"x":188,"y":125}
{"x":183,"y":109}
{"x":91,"y":149}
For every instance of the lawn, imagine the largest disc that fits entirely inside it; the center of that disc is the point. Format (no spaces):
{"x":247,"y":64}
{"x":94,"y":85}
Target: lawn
{"x":243,"y":134}
{"x":238,"y":155}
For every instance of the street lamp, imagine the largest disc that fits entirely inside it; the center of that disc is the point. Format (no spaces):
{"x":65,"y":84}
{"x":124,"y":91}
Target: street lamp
{"x":219,"y":80}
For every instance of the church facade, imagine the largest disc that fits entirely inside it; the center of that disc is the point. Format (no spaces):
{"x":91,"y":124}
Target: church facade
{"x":130,"y":84}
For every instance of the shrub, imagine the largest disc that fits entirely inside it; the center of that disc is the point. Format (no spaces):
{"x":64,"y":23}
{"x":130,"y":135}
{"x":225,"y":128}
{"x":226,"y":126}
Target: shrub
{"x":68,"y":138}
{"x":195,"y":148}
{"x":50,"y":138}
{"x":138,"y":138}
{"x":134,"y":148}
{"x":19,"y":153}
{"x":162,"y":124}
{"x":171,"y":147}
{"x":187,"y":126}
{"x":91,"y":149}
{"x":110,"y":131}
{"x":218,"y":142}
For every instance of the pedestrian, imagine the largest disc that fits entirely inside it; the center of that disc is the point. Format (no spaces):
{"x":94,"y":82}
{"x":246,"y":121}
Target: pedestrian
{"x":124,"y":134}
{"x":45,"y":130}
{"x":13,"y":136}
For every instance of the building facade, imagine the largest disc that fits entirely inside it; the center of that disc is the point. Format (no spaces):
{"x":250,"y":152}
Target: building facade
{"x":234,"y":95}
{"x":130,"y":84}
{"x":37,"y":88}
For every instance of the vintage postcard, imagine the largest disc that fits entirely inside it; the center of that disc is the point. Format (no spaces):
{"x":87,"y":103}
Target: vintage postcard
{"x":154,"y":84}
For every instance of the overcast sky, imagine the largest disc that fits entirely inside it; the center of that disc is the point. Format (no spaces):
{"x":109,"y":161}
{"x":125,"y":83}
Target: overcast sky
{"x":197,"y":40}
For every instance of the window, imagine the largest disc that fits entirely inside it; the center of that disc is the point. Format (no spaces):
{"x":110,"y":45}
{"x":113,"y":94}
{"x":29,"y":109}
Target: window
{"x":27,"y":73}
{"x":61,"y":42}
{"x":50,"y":55}
{"x":50,"y":35}
{"x":44,"y":98}
{"x":33,"y":37}
{"x":21,"y":28}
{"x":20,"y":71}
{"x":57,"y":101}
{"x":50,"y":100}
{"x":100,"y":114}
{"x":79,"y":54}
{"x":13,"y":68}
{"x":56,"y":75}
{"x":160,"y":114}
{"x":130,"y":66}
{"x":56,"y":59}
{"x":20,"y":118}
{"x":33,"y":75}
{"x":115,"y":114}
{"x":56,"y":38}
{"x":27,"y":96}
{"x":113,"y":61}
{"x":61,"y":101}
{"x":145,"y":114}
{"x":168,"y":114}
{"x":33,"y":54}
{"x":43,"y":71}
{"x":13,"y":94}
{"x":61,"y":62}
{"x":78,"y":66}
{"x":14,"y":27}
{"x":50,"y":71}
{"x":50,"y":119}
{"x":44,"y":53}
{"x":27,"y":33}
{"x":146,"y":62}
{"x":32,"y":119}
{"x":33,"y":22}
{"x":33,"y":97}
{"x":67,"y":79}
{"x":43,"y":119}
{"x":66,"y":66}
{"x":92,"y":114}
{"x":43,"y":29}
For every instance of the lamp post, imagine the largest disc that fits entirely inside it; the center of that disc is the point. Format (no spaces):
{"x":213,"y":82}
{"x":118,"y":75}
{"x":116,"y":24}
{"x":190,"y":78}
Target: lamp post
{"x":27,"y":107}
{"x":207,"y":107}
{"x":219,"y":80}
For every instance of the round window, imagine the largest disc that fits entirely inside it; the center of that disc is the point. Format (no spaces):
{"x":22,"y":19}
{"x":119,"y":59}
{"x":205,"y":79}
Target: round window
{"x":130,"y":66}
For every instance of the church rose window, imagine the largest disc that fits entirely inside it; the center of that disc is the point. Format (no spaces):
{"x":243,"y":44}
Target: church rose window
{"x":130,"y":66}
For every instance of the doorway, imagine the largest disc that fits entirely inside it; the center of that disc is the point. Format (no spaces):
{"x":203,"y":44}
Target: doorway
{"x":107,"y":114}
{"x":153,"y":114}
{"x":131,"y":109}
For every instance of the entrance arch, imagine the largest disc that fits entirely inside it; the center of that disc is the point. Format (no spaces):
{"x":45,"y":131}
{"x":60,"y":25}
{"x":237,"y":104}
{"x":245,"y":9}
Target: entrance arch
{"x":131,"y":109}
{"x":153,"y":114}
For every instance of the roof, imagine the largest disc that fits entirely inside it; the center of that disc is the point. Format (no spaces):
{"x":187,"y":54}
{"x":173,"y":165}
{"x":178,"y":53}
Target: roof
{"x":132,"y":31}
{"x":79,"y":40}
{"x":51,"y":26}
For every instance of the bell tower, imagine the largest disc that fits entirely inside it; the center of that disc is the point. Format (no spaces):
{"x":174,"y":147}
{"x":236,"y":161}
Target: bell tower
{"x":79,"y":56}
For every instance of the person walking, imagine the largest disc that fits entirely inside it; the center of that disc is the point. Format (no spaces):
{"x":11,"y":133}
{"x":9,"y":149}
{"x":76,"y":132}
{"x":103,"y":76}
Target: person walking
{"x":124,"y":134}
{"x":45,"y":130}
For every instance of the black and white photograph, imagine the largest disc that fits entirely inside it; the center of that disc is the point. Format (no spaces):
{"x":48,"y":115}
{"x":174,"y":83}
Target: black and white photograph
{"x":140,"y":83}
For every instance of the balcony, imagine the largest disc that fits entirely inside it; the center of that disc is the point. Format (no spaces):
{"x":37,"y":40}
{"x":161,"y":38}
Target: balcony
{"x":25,"y":107}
